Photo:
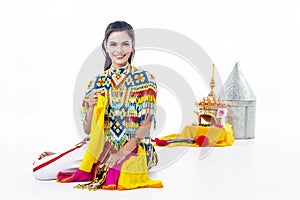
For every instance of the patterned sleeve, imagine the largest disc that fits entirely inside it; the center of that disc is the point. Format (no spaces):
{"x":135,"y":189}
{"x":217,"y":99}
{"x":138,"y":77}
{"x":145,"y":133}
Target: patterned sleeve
{"x":147,"y":99}
{"x":84,"y":107}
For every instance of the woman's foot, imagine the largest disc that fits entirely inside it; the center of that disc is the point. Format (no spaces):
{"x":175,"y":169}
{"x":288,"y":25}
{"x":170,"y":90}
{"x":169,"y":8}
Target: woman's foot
{"x":46,"y":153}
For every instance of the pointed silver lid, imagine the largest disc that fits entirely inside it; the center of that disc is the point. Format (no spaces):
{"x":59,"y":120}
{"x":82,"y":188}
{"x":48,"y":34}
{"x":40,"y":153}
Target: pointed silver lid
{"x":236,"y":86}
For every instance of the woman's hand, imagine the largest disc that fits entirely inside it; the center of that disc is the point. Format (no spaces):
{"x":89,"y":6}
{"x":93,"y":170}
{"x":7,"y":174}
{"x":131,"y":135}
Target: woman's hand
{"x":116,"y":158}
{"x":93,"y":99}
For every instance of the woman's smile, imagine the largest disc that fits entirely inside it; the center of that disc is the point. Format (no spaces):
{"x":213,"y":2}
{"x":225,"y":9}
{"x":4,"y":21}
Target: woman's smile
{"x":120,"y":56}
{"x":119,"y":47}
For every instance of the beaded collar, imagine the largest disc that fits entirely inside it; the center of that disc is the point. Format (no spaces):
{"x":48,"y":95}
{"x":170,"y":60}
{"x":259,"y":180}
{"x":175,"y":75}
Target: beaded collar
{"x":119,"y":75}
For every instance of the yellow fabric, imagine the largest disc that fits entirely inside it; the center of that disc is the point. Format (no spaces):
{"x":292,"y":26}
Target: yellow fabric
{"x":97,"y":137}
{"x":219,"y":137}
{"x":134,"y":173}
{"x":87,"y":162}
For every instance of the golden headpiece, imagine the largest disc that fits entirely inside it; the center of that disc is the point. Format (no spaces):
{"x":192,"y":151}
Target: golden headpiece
{"x":211,"y":110}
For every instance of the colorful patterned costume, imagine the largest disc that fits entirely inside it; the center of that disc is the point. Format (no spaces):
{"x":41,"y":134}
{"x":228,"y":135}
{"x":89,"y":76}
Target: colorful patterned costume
{"x":130,"y":95}
{"x":129,"y":92}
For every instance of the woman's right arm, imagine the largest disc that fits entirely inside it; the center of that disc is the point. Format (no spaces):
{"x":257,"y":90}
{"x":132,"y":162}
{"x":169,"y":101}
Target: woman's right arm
{"x":87,"y":122}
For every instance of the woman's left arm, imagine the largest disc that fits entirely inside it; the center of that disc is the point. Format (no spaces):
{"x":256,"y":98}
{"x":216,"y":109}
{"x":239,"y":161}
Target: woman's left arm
{"x":140,"y":133}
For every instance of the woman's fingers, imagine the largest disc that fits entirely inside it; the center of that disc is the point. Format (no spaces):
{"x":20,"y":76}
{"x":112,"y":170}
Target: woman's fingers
{"x":46,"y":153}
{"x":93,"y":99}
{"x":111,"y":161}
{"x":116,"y":158}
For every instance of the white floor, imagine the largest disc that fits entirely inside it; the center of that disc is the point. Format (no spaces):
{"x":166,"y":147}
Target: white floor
{"x":250,"y":169}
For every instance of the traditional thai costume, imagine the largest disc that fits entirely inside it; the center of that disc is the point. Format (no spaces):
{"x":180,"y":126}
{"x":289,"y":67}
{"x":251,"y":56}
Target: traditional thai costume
{"x":126,"y":97}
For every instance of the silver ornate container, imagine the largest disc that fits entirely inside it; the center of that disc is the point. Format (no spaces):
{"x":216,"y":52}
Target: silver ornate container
{"x":241,"y":102}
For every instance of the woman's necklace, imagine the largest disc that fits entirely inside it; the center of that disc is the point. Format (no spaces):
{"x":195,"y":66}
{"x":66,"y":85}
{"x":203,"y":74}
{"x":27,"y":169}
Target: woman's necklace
{"x":118,"y":91}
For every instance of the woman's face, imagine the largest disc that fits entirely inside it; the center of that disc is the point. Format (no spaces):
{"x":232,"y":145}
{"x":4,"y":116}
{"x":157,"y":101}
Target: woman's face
{"x":119,"y":47}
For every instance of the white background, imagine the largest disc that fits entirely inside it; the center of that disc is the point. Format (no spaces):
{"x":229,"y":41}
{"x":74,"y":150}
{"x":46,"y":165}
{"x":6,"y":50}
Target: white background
{"x":44,"y":43}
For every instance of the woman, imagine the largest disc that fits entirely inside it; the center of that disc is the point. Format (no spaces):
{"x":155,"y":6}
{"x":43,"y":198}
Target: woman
{"x":117,"y":113}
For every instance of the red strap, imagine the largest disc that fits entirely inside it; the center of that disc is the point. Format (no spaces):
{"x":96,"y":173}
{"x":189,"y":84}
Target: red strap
{"x":56,"y":158}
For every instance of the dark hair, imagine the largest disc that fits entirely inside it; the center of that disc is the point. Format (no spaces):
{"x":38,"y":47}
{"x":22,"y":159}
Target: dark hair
{"x":117,"y":27}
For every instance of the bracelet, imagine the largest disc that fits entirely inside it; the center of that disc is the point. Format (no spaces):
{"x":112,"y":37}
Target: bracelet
{"x":137,"y":139}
